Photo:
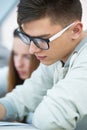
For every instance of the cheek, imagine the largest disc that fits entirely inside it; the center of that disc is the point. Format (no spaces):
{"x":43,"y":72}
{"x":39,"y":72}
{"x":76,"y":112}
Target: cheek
{"x":58,"y":46}
{"x":28,"y":71}
{"x":27,"y":66}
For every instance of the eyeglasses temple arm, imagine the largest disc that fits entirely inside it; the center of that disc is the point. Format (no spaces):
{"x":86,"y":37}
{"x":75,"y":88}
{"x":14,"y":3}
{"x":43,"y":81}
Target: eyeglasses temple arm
{"x":60,"y":33}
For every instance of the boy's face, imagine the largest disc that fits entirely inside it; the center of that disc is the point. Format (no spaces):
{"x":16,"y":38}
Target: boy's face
{"x":60,"y":48}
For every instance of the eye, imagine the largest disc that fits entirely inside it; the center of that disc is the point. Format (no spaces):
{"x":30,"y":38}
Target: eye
{"x":26,"y":57}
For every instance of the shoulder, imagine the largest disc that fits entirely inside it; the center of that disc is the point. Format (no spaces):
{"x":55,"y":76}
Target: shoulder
{"x":3,"y":81}
{"x":4,"y":56}
{"x":3,"y":74}
{"x":3,"y":70}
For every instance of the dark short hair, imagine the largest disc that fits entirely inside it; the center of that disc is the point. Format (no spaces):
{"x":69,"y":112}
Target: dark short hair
{"x":59,"y":11}
{"x":15,"y":34}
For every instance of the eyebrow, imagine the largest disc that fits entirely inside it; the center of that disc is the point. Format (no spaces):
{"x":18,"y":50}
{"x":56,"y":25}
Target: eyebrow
{"x":42,"y":36}
{"x":39,"y":36}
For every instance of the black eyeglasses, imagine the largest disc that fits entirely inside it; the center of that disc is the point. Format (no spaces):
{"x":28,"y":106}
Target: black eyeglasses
{"x":38,"y":41}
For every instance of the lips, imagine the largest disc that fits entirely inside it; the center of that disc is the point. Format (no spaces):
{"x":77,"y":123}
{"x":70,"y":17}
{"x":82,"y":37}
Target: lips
{"x":40,"y":57}
{"x":21,"y":72}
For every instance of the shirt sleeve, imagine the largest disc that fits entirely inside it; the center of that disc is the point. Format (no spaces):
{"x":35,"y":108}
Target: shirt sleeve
{"x":3,"y":81}
{"x":25,"y":98}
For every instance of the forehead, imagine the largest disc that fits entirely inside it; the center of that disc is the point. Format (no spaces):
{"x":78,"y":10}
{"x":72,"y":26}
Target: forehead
{"x":40,"y":27}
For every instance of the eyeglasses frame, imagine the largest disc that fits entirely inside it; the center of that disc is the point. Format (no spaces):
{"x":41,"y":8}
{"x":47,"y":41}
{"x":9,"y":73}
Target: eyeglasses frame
{"x":55,"y":36}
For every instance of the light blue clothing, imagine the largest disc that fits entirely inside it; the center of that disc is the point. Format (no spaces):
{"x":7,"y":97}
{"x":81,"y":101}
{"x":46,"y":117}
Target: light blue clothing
{"x":4,"y":56}
{"x":3,"y":81}
{"x":56,"y":94}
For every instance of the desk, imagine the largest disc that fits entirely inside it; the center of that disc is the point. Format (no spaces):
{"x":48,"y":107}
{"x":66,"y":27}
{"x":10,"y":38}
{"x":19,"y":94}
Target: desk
{"x":16,"y":126}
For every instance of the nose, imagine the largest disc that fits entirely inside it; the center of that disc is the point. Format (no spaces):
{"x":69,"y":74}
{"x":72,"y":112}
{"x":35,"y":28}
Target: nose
{"x":18,"y":62}
{"x":33,"y":48}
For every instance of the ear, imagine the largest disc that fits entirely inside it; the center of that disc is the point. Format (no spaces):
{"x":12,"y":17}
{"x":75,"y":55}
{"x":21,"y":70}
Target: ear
{"x":77,"y":30}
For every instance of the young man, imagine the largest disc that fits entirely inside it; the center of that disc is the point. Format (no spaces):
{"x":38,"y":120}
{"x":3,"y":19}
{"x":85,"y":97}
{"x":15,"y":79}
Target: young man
{"x":57,"y":90}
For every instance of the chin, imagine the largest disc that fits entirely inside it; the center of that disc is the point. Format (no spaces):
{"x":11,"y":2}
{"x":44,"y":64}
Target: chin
{"x":23,"y":78}
{"x":47,"y":63}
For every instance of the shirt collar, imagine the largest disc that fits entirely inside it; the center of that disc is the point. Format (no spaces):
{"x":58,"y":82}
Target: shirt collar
{"x":78,"y":47}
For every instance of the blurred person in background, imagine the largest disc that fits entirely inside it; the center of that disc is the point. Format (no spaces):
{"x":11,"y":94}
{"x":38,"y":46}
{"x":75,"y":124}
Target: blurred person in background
{"x":21,"y":66}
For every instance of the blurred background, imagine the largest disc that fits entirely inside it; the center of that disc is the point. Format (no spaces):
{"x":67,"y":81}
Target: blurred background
{"x":8,"y":20}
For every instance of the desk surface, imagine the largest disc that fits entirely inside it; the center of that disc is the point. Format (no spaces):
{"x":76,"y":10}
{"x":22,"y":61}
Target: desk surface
{"x":16,"y":126}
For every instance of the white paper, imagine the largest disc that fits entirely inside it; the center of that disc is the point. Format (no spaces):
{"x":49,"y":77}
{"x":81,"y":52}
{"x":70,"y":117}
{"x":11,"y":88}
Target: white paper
{"x":16,"y":126}
{"x":12,"y":124}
